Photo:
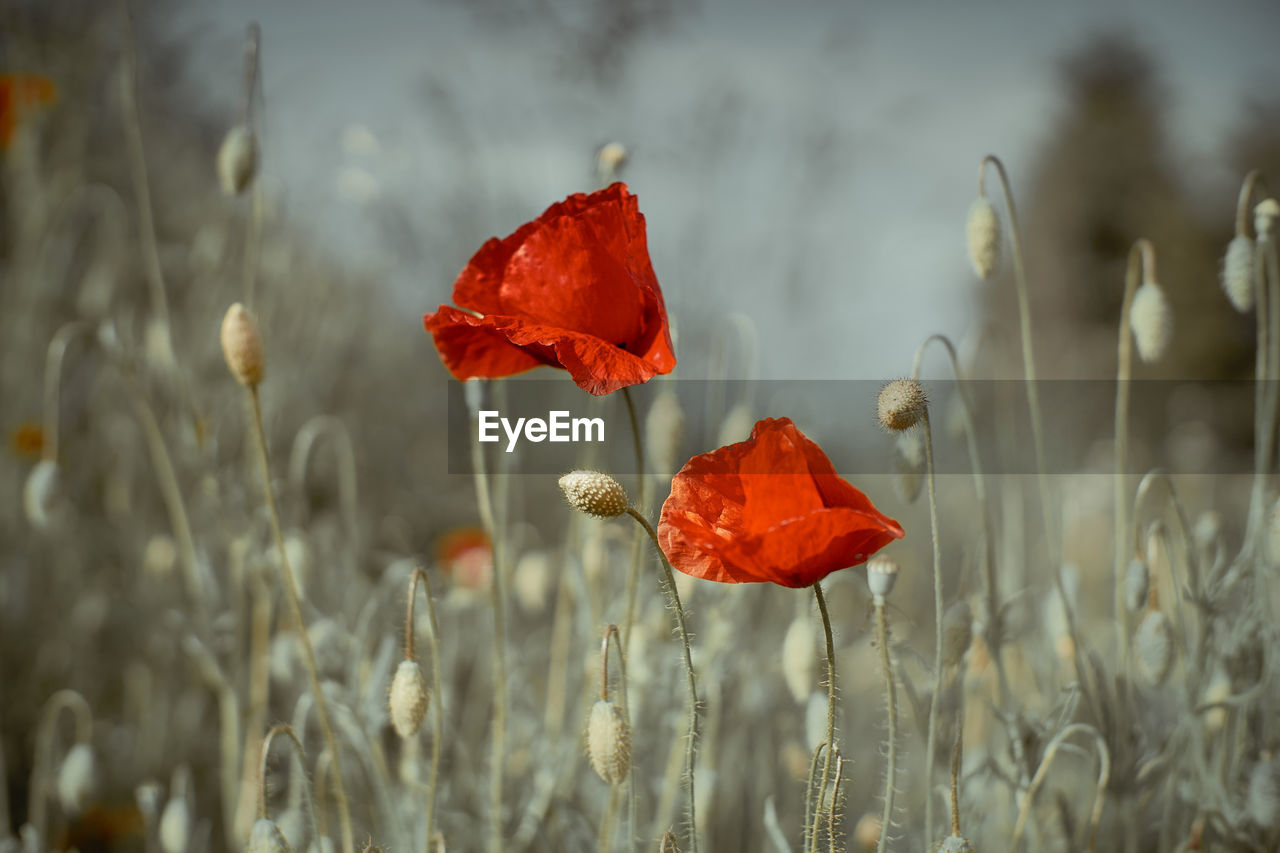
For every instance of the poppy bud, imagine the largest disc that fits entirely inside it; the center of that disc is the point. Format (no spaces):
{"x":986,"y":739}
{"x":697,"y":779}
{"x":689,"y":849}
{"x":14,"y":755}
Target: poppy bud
{"x":237,"y":160}
{"x":408,"y":700}
{"x":1153,"y":644}
{"x":882,"y":574}
{"x":41,"y":496}
{"x":1264,"y":215}
{"x":902,"y":404}
{"x":266,"y":837}
{"x":957,"y":632}
{"x":1151,"y":320}
{"x":242,"y":346}
{"x":1237,"y":273}
{"x":983,"y":230}
{"x":76,"y":778}
{"x":609,"y":741}
{"x":1137,"y":581}
{"x":1263,"y":802}
{"x":595,"y":493}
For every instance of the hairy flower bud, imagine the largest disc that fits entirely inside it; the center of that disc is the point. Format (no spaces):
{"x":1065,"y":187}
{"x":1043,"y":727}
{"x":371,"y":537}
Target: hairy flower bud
{"x":594,"y":493}
{"x":901,"y":405}
{"x":408,"y":700}
{"x":42,"y":494}
{"x":1153,"y":647}
{"x":76,"y":778}
{"x":609,"y":741}
{"x":1151,"y":320}
{"x":242,"y":345}
{"x":1264,"y":217}
{"x":983,"y":228}
{"x":1237,"y":273}
{"x":237,"y":160}
{"x":1137,"y":580}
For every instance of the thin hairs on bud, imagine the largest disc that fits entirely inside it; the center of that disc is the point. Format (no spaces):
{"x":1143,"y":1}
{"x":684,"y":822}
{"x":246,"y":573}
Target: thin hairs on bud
{"x":983,"y":231}
{"x":242,"y":346}
{"x":1237,"y":273}
{"x":1151,"y":319}
{"x":902,"y":404}
{"x":595,"y":493}
{"x":237,"y":160}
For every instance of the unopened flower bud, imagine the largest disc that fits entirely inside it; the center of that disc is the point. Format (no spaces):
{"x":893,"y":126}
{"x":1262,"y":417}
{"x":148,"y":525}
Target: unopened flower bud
{"x":1264,"y":217}
{"x":76,"y":778}
{"x":901,"y":405}
{"x":175,"y":825}
{"x":408,"y":700}
{"x":1263,"y":801}
{"x":595,"y":493}
{"x":237,"y":160}
{"x":1237,"y":273}
{"x":1137,"y":581}
{"x":1153,"y":647}
{"x":609,"y":741}
{"x":42,"y":494}
{"x":1151,"y":319}
{"x":983,"y":229}
{"x":242,"y":345}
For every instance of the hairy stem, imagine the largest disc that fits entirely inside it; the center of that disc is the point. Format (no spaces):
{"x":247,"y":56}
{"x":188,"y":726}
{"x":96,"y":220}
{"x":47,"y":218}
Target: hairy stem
{"x":891,"y":706}
{"x":437,"y":717}
{"x":831,"y":718}
{"x":938,"y":614}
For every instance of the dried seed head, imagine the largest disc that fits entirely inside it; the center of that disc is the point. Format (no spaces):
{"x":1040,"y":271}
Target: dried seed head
{"x":175,"y":825}
{"x":866,"y":832}
{"x":983,"y":229}
{"x":909,"y":461}
{"x":1237,"y":273}
{"x":242,"y":345}
{"x":42,"y":494}
{"x":882,"y":574}
{"x":408,"y":699}
{"x":237,"y":160}
{"x":1263,"y":802}
{"x":266,"y":837}
{"x":799,"y":658}
{"x":594,"y":493}
{"x":957,"y":632}
{"x":955,"y":844}
{"x":664,"y":429}
{"x":902,"y":404}
{"x":1264,"y":217}
{"x":1137,"y":580}
{"x":1151,"y":320}
{"x":76,"y":778}
{"x":1153,"y":647}
{"x":609,"y":741}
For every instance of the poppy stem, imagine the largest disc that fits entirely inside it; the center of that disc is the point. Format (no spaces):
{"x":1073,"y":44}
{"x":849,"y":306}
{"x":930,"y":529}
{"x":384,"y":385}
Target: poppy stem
{"x":670,"y":584}
{"x":891,"y":707}
{"x":606,"y":825}
{"x":938,"y":615}
{"x":437,"y":715}
{"x":633,"y":573}
{"x":808,"y":791}
{"x":295,"y":611}
{"x":831,"y":718}
{"x":280,"y":729}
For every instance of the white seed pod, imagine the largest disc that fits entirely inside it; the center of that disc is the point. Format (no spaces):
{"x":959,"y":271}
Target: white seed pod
{"x":408,"y":699}
{"x":957,"y":632}
{"x":76,"y":778}
{"x":1237,"y":273}
{"x":1264,"y":217}
{"x":983,"y":230}
{"x":242,"y":345}
{"x":736,"y":426}
{"x":1137,"y":584}
{"x":901,"y":405}
{"x":664,"y":431}
{"x":266,"y":837}
{"x":237,"y":160}
{"x":1151,"y":319}
{"x":1153,"y":647}
{"x":955,"y":844}
{"x":1263,"y":800}
{"x":909,"y":461}
{"x":882,"y":574}
{"x":594,"y":493}
{"x":609,"y":741}
{"x":799,"y":658}
{"x":42,"y":494}
{"x":175,"y":825}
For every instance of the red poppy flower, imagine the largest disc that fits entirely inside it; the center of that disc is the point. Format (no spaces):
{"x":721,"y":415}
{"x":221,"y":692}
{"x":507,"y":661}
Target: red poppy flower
{"x":769,"y":509}
{"x":573,"y":289}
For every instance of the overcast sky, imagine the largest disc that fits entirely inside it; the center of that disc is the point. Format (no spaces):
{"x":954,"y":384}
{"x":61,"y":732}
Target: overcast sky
{"x":807,"y":164}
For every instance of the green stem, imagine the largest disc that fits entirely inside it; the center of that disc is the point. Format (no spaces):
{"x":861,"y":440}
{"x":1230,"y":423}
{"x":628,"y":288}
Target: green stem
{"x":437,"y":717}
{"x":633,"y":573}
{"x":831,"y":718}
{"x":891,"y":704}
{"x":937,"y":611}
{"x":671,"y":590}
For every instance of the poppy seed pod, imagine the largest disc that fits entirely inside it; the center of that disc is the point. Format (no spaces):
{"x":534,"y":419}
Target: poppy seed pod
{"x":609,"y":741}
{"x":1151,"y":320}
{"x":1237,"y":273}
{"x":983,"y":230}
{"x":882,"y":574}
{"x":42,"y":493}
{"x":76,"y":778}
{"x":237,"y":160}
{"x":595,"y":493}
{"x":901,"y":405}
{"x":1153,"y":647}
{"x":1137,"y":581}
{"x":266,"y":837}
{"x":1264,"y":216}
{"x":242,"y":346}
{"x":408,"y":700}
{"x":957,"y":632}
